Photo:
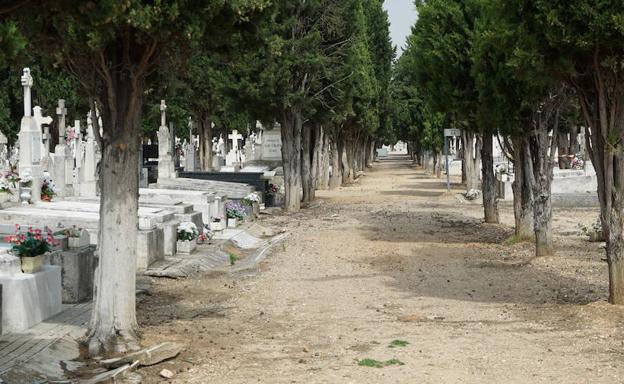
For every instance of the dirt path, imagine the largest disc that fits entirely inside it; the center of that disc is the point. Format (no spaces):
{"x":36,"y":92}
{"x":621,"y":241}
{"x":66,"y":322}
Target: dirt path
{"x":395,"y":258}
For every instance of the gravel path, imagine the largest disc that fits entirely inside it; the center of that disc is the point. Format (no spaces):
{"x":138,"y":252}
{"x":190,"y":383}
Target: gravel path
{"x":395,"y":258}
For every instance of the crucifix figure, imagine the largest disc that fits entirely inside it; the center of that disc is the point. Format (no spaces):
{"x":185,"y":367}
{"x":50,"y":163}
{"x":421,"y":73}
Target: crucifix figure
{"x":61,"y":111}
{"x":163,"y":113}
{"x":27,"y":83}
{"x":235,"y":136}
{"x":190,"y":126}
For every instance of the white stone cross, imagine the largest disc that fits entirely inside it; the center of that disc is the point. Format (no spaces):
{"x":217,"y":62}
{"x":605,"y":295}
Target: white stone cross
{"x":27,"y":83}
{"x":163,"y":113}
{"x":190,"y":125}
{"x":40,"y":119}
{"x":61,"y":112}
{"x":235,"y":136}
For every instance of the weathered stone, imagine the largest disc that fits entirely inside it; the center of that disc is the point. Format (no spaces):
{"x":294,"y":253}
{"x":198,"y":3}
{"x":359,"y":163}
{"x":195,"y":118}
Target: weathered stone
{"x":110,"y":377}
{"x":167,"y":374}
{"x":148,"y":356}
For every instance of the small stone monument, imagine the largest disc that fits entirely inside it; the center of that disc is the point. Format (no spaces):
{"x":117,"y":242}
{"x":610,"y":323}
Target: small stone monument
{"x":233,"y":158}
{"x":88,"y":183}
{"x":166,"y":166}
{"x":191,"y":162}
{"x":63,"y":161}
{"x":30,"y":140}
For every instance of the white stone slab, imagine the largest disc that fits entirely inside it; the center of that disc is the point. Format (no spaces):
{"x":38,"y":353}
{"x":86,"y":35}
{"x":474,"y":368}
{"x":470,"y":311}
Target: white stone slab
{"x":28,"y":299}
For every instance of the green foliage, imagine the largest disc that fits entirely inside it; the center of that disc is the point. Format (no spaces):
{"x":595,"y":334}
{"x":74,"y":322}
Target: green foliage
{"x":398,"y":343}
{"x":233,"y":258}
{"x":372,"y":363}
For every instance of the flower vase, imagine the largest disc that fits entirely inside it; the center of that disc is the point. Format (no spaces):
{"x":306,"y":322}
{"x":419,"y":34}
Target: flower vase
{"x":25,"y":195}
{"x":232,"y":223}
{"x":32,"y":264}
{"x":186,"y":246}
{"x":4,"y":197}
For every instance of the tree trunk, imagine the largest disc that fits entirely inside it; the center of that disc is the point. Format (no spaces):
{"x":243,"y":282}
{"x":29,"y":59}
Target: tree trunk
{"x":113,"y":327}
{"x":437,"y":166}
{"x":317,"y":154}
{"x":306,"y":163}
{"x":291,"y":128}
{"x":205,"y":147}
{"x":540,"y":153}
{"x":336,"y":159}
{"x":523,"y":198}
{"x":472,"y":157}
{"x":323,"y":176}
{"x":490,"y":205}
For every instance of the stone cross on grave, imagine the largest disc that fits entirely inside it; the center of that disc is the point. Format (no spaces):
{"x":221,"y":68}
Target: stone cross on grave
{"x":61,"y":112}
{"x":40,"y":120}
{"x":163,"y":113}
{"x":27,"y":83}
{"x":235,"y":136}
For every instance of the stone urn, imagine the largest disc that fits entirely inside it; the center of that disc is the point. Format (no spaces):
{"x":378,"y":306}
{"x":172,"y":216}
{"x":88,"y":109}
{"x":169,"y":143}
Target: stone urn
{"x":25,"y":195}
{"x":186,"y":247}
{"x":232,"y":222}
{"x":32,"y":264}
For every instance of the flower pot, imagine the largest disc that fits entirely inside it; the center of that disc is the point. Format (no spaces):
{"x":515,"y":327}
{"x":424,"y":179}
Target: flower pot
{"x":32,"y":264}
{"x":249,"y":213}
{"x":78,"y":242}
{"x":46,"y":198}
{"x":186,"y":247}
{"x":232,"y":223}
{"x":5,"y":197}
{"x":217,"y":225}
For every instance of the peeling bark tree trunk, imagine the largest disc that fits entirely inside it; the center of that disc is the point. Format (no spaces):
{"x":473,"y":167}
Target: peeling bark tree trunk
{"x":490,"y":205}
{"x":317,"y":153}
{"x":523,"y":197}
{"x":291,"y":128}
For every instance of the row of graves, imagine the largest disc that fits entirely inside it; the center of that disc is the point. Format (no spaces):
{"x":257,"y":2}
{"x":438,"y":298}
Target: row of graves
{"x":254,"y":160}
{"x":49,"y":211}
{"x":573,"y":186}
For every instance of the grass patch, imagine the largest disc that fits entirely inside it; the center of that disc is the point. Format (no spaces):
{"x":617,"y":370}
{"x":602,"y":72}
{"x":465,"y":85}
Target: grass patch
{"x":233,"y":258}
{"x":515,"y":239}
{"x":398,"y":343}
{"x":372,"y":363}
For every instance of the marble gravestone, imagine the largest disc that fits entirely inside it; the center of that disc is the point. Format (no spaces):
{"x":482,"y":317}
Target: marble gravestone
{"x":30,"y":140}
{"x":63,"y":161}
{"x":166,"y":167}
{"x":272,"y":145}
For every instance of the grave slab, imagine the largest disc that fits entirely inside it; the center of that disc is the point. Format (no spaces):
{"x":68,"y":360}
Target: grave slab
{"x":28,"y":299}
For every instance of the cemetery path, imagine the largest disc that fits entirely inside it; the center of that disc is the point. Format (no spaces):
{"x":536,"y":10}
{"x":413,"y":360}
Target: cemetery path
{"x":395,"y":258}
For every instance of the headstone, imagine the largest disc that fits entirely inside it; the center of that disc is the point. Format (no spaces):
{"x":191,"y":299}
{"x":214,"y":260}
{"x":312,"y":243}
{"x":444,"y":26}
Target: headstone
{"x":233,"y":158}
{"x":272,"y":145}
{"x":88,"y":184}
{"x":63,"y":161}
{"x":166,"y":167}
{"x":191,"y":157}
{"x":30,"y":140}
{"x":5,"y":162}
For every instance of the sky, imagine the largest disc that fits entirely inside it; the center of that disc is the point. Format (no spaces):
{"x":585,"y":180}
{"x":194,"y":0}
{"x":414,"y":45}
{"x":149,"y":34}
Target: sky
{"x":402,"y":15}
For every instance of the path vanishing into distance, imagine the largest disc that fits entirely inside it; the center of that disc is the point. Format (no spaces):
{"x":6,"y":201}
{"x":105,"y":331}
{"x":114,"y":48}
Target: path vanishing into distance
{"x":394,"y":271}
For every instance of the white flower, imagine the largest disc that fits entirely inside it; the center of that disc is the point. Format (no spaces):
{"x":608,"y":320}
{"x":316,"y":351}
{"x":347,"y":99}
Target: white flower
{"x":253,"y":197}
